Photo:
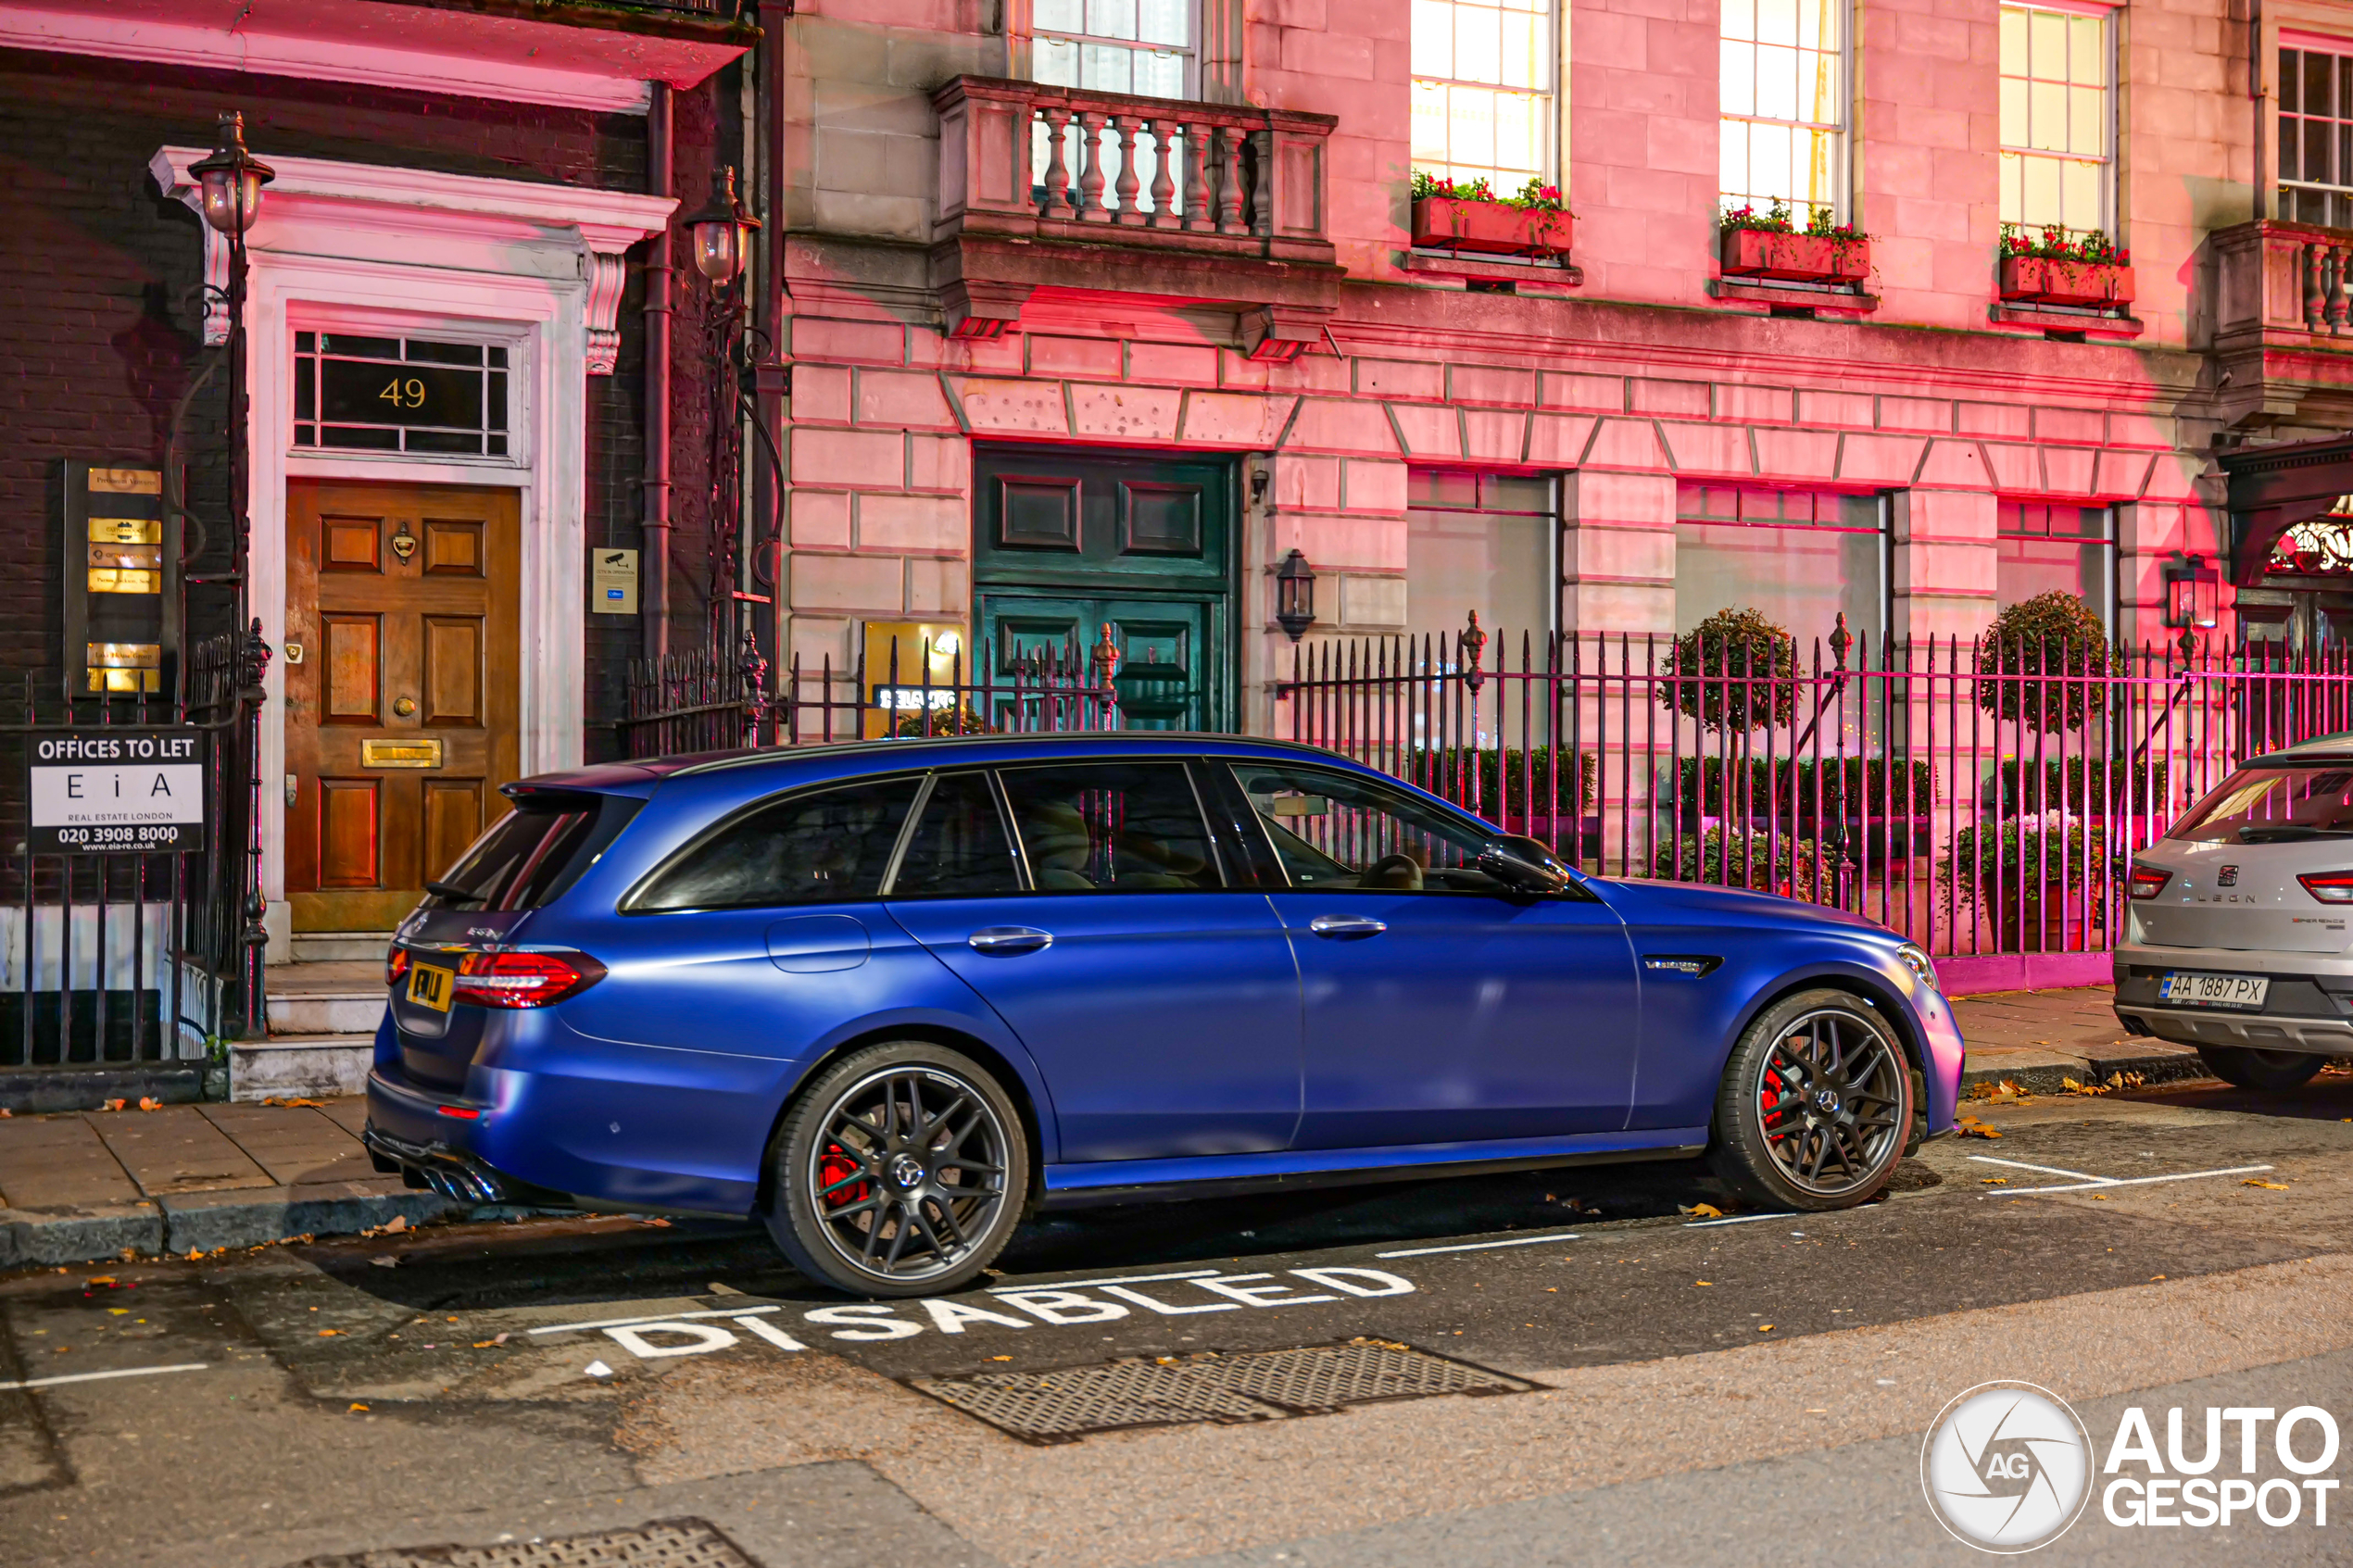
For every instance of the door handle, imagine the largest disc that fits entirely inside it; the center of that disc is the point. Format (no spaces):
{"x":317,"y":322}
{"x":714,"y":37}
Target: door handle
{"x":1347,"y":928}
{"x":1007,"y":940}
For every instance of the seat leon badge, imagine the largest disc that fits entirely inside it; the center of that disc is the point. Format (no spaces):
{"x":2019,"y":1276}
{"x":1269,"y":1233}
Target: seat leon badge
{"x":2226,"y":876}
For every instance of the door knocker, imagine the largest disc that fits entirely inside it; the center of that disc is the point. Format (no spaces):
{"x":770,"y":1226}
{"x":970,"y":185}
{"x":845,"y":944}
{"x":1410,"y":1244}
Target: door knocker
{"x":404,"y":544}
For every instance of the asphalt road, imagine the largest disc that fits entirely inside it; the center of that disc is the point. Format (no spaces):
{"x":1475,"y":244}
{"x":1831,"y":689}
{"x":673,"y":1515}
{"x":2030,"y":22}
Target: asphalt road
{"x":1684,"y":1375}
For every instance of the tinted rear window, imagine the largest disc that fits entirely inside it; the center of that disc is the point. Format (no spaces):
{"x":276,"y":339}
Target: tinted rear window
{"x":809,"y":849}
{"x":533,"y":853}
{"x":2316,"y":796}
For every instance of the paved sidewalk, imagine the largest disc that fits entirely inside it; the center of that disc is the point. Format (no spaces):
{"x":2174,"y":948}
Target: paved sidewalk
{"x":2036,"y":1038}
{"x":86,"y":1185}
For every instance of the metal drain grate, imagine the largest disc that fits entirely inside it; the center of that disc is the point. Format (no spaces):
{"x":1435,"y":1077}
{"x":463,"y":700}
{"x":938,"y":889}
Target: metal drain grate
{"x":672,"y":1543}
{"x":1055,"y":1407}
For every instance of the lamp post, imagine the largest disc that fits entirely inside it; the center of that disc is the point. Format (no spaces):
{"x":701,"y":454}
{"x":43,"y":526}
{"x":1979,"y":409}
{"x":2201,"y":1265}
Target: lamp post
{"x":229,"y":183}
{"x":1295,"y":596}
{"x":720,"y":237}
{"x":2193,"y":588}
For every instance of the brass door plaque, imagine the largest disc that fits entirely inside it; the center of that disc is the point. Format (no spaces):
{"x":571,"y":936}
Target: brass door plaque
{"x":424,"y":753}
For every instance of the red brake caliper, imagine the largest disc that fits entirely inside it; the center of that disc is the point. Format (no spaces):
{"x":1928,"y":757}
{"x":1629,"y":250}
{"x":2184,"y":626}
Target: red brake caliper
{"x":835,"y":1166}
{"x":1769,"y":1100}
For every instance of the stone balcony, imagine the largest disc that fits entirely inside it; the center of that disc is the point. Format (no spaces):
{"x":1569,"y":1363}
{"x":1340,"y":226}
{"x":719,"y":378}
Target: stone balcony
{"x":1056,"y":190}
{"x":2282,"y":321}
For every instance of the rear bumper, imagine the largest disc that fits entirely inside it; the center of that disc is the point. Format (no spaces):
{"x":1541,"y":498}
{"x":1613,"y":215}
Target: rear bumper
{"x":2261,"y":1031}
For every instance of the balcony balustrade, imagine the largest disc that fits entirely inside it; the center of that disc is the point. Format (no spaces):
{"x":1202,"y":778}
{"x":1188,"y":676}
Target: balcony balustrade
{"x":1061,"y":188}
{"x":2282,"y":322}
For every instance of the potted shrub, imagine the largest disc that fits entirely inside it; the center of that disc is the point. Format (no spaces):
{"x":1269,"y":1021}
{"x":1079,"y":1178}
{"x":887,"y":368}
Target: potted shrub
{"x":2042,"y":663}
{"x":1769,"y":245}
{"x":1750,"y":858}
{"x":2060,"y":268}
{"x":1734,"y":672}
{"x":1468,"y":215}
{"x":2030,"y":874}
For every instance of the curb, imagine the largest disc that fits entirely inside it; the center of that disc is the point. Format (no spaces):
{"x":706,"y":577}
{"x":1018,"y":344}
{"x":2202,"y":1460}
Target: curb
{"x":2043,"y":1076}
{"x":208,"y":1220}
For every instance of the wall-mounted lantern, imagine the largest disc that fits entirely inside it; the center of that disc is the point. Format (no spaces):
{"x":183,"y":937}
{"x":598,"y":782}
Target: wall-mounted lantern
{"x":1295,"y":596}
{"x":2192,"y":589}
{"x":722,"y":232}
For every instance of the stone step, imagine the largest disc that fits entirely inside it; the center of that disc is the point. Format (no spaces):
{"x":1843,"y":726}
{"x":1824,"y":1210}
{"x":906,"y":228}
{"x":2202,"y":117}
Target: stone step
{"x":302,"y":1066}
{"x":327,"y":1013}
{"x":330,"y":947}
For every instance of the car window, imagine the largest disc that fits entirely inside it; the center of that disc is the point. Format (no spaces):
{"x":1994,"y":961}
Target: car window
{"x":2280,"y":803}
{"x":1339,"y":830}
{"x":959,"y":848}
{"x":531,"y":855}
{"x":1112,"y":827}
{"x":816,"y":849}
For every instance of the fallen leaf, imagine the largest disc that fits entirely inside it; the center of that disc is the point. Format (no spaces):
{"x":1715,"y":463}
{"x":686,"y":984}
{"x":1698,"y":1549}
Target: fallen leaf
{"x":356,"y":1407}
{"x":385,"y":1262}
{"x":2099,"y":1198}
{"x":1162,"y":1360}
{"x":112,"y":1105}
{"x":663,"y":1223}
{"x":2258,"y":1182}
{"x":118,"y":1312}
{"x":147,"y":1102}
{"x":1993,"y":1181}
{"x":1701,"y":1281}
{"x":1979,"y":1130}
{"x":1764,"y":1328}
{"x":329,"y":1332}
{"x":394,"y":1226}
{"x":1704,"y":1211}
{"x":5,"y":1114}
{"x":101,"y":1279}
{"x":2154,"y":1278}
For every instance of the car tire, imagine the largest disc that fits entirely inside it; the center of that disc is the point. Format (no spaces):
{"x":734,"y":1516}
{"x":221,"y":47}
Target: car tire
{"x":1816,"y":1105}
{"x":900,"y":1169}
{"x":2260,"y":1070}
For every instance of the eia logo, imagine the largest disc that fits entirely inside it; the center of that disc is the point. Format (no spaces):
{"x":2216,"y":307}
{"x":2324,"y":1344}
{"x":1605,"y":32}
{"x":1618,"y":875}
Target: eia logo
{"x":2006,"y":1467}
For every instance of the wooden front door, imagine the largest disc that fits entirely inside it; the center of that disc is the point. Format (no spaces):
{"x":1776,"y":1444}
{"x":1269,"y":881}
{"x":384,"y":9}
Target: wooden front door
{"x":402,"y":654}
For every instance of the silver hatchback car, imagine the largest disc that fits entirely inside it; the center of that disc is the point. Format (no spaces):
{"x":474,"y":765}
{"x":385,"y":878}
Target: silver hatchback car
{"x":2241,"y":919}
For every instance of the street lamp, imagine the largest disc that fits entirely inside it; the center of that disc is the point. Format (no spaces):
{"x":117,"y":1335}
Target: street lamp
{"x":230,"y":184}
{"x":1295,"y":596}
{"x":722,"y":232}
{"x":2192,"y":587}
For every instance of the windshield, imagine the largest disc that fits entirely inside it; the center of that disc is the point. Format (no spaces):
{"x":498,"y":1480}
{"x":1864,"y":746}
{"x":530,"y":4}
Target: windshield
{"x":2278,"y":804}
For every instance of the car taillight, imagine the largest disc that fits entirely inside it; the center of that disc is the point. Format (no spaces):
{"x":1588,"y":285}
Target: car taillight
{"x":2328,"y":888}
{"x":395,"y":965}
{"x":524,"y":980}
{"x":2149,"y":880}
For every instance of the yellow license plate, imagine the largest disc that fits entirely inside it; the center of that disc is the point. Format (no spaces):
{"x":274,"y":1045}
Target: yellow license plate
{"x":429,"y":986}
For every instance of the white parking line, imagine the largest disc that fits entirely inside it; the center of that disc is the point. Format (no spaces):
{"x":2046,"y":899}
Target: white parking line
{"x":1093,"y":1283}
{"x":1735,"y":1219}
{"x":652,"y":1317}
{"x":2089,"y":1184}
{"x":1477,"y":1245}
{"x":96,"y":1376}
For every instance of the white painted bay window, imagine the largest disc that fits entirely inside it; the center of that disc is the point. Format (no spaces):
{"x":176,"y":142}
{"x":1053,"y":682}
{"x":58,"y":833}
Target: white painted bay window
{"x":1141,"y":46}
{"x":1782,"y":80}
{"x":1801,"y":558}
{"x":1485,"y":90}
{"x":2059,"y":117}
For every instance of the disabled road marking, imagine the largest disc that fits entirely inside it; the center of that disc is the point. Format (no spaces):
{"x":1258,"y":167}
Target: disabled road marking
{"x":98,"y":1376}
{"x":2086,"y":1183}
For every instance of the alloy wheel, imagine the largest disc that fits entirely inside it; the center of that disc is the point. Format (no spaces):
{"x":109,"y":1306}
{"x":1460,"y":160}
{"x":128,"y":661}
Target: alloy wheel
{"x":909,"y":1172}
{"x":1828,"y":1097}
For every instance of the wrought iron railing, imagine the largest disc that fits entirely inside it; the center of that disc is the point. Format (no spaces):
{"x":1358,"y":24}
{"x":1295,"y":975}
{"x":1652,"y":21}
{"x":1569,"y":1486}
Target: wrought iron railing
{"x":716,"y":700}
{"x":1954,"y":791}
{"x":110,"y":958}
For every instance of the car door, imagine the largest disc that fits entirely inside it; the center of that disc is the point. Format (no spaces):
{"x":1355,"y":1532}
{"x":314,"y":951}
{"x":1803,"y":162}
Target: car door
{"x":1156,"y":991}
{"x":1440,"y":1007}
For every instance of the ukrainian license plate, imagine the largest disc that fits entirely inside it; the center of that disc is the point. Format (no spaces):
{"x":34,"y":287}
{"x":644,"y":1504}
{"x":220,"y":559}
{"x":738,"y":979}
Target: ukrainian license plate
{"x":429,"y":986}
{"x":2182,"y":988}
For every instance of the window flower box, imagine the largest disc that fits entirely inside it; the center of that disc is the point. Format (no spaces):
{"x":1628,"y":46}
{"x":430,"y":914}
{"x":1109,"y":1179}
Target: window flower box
{"x":1796,"y":257}
{"x":1493,"y":228}
{"x":2044,"y":280}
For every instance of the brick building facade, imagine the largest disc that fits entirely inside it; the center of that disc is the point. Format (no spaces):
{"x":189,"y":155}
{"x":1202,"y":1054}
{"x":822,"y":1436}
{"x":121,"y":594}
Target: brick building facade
{"x":1093,"y":316}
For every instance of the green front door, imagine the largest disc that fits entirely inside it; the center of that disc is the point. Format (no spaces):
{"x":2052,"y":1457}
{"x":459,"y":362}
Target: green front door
{"x":1066,"y":543}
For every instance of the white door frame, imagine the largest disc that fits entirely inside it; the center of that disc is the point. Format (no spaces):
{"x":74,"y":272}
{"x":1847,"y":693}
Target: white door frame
{"x":364,"y":248}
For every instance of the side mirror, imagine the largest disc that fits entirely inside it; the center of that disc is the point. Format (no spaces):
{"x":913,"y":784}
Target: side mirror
{"x":1523,"y":865}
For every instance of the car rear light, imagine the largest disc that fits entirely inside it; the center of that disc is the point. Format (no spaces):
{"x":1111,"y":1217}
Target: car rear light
{"x":395,"y":965}
{"x":463,"y":1113}
{"x":2149,"y":880}
{"x":524,"y":980}
{"x":2328,"y":888}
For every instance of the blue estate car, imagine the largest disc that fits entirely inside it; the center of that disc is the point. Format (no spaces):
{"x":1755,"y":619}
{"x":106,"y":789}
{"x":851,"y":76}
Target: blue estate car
{"x":891,"y":995}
